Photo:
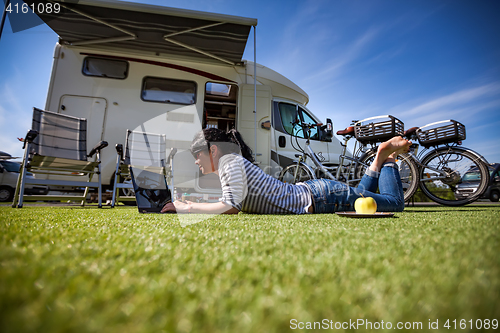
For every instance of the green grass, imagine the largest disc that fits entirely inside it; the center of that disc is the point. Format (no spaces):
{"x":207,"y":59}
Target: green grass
{"x":90,"y":270}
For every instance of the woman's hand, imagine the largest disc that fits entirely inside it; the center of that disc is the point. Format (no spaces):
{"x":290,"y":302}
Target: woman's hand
{"x":185,"y":207}
{"x":168,"y":208}
{"x":181,"y":207}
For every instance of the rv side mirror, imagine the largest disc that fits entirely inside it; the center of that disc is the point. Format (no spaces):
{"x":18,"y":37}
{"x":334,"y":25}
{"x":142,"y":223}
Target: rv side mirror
{"x":329,"y":127}
{"x":327,"y":131}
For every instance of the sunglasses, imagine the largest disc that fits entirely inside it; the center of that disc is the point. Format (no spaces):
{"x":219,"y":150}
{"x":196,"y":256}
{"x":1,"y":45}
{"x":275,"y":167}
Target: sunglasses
{"x":196,"y":153}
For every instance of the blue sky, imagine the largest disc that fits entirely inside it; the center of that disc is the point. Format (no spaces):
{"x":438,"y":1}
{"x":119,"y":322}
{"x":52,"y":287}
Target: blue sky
{"x":421,"y":61}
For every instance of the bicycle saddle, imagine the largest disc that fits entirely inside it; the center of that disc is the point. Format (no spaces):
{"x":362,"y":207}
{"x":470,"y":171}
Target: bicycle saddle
{"x":410,"y":131}
{"x":348,"y":131}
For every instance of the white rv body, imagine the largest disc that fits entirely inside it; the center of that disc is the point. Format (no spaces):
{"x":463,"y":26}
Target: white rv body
{"x":111,"y":106}
{"x":132,"y":95}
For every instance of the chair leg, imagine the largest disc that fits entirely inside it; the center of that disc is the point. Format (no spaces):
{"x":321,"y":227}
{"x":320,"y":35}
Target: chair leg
{"x":114,"y":199}
{"x":116,"y":191}
{"x":99,"y":189}
{"x":85,"y":193}
{"x":18,"y":186}
{"x":91,"y":175}
{"x":172,"y":191}
{"x":21,"y":180}
{"x":172,"y":188}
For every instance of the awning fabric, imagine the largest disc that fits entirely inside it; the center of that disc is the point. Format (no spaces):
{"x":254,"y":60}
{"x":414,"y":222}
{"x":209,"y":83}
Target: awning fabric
{"x":147,"y":28}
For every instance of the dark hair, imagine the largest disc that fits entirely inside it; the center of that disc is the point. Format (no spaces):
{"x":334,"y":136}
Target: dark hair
{"x":211,"y":136}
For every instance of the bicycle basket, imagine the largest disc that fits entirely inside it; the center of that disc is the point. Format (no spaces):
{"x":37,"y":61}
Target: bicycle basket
{"x":378,"y":129}
{"x":433,"y":135}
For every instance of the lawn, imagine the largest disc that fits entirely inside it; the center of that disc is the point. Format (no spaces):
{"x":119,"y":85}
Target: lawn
{"x":68,"y":269}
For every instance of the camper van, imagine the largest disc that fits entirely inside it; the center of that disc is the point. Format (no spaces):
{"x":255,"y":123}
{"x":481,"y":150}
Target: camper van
{"x":127,"y":66}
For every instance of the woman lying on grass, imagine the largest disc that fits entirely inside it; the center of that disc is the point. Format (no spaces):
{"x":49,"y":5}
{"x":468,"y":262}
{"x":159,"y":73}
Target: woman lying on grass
{"x":245,"y":187}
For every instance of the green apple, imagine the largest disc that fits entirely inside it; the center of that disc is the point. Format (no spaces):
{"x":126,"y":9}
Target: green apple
{"x":365,"y":205}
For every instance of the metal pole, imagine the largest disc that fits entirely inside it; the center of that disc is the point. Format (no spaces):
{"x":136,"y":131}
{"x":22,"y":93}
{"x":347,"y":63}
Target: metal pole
{"x":255,"y":88}
{"x":4,"y":15}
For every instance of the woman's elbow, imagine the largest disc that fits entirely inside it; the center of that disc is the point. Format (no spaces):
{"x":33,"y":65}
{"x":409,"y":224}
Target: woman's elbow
{"x":232,"y":210}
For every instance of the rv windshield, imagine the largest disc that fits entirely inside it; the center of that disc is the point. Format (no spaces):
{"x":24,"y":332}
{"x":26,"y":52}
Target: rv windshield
{"x":471,"y":176}
{"x":11,"y":166}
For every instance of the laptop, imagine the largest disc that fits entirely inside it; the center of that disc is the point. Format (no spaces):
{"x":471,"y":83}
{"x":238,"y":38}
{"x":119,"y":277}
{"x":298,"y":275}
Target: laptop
{"x":151,"y":190}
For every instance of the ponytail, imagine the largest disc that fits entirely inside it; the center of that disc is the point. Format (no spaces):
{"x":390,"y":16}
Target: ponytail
{"x":209,"y":136}
{"x":236,"y":138}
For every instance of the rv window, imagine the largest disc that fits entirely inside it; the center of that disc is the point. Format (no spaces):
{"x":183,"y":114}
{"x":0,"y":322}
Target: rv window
{"x":108,"y":68}
{"x":218,"y":89}
{"x":307,"y":119}
{"x":288,"y":114}
{"x":168,"y":91}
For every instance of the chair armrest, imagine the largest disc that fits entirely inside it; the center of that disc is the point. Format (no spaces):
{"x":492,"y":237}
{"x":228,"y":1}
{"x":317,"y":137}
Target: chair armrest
{"x":119,"y":150}
{"x":97,"y":148}
{"x":30,"y":136}
{"x":173,"y":151}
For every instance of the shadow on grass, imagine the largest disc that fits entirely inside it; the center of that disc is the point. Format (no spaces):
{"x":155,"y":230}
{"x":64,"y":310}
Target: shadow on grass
{"x":445,"y":210}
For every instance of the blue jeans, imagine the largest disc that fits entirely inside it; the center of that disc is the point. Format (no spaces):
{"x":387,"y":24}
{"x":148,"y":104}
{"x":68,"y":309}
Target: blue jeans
{"x":330,"y":196}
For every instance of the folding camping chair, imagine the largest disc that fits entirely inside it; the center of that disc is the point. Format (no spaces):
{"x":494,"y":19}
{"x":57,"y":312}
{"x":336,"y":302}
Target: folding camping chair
{"x":144,"y":165}
{"x":123,"y":190}
{"x":57,"y":146}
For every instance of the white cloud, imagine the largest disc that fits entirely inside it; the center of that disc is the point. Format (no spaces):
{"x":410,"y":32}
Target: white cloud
{"x":488,"y":126}
{"x":477,"y":107}
{"x":489,"y":149}
{"x":386,"y":55}
{"x":454,"y":99}
{"x":349,"y":55}
{"x":463,"y":105}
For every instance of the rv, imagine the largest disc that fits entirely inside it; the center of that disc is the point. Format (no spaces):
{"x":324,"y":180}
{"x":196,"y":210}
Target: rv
{"x":163,"y":70}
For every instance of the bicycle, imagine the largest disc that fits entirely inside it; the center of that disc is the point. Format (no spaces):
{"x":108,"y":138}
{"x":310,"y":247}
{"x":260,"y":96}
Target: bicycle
{"x":436,"y":170}
{"x":368,"y":135}
{"x":444,"y":162}
{"x":299,"y":171}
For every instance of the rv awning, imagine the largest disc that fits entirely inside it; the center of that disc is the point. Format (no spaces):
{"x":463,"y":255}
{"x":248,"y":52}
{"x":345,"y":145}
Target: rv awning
{"x":148,"y":28}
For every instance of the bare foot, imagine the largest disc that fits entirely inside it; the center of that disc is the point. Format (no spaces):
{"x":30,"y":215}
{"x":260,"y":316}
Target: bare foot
{"x":393,"y":147}
{"x":388,"y":150}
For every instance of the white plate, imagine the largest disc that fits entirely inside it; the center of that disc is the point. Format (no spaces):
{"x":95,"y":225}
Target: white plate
{"x":355,"y":215}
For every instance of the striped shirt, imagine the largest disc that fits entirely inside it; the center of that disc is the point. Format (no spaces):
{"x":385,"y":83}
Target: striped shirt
{"x":247,"y":188}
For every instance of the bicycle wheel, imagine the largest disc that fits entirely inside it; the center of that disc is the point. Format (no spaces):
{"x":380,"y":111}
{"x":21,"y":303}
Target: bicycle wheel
{"x":408,"y":171}
{"x":443,"y":172}
{"x":287,"y":175}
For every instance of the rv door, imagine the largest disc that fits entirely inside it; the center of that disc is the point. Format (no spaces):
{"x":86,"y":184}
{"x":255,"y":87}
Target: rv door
{"x":91,"y":108}
{"x":291,"y":138}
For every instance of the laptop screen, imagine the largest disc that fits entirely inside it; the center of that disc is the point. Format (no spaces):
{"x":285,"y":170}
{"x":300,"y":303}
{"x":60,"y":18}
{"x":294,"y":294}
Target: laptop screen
{"x":151,"y":190}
